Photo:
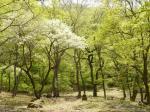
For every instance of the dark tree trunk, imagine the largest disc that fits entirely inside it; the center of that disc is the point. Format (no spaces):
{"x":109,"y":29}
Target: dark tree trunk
{"x":53,"y":86}
{"x":9,"y":82}
{"x":128,"y":85}
{"x":14,"y":92}
{"x":56,"y":92}
{"x":138,"y":81}
{"x":134,"y":94}
{"x":37,"y":95}
{"x":90,"y":61}
{"x":84,"y":97}
{"x":103,"y":82}
{"x":55,"y":83}
{"x":95,"y":85}
{"x":95,"y":90}
{"x":101,"y":65}
{"x":1,"y":86}
{"x":145,"y":78}
{"x":44,"y":81}
{"x":57,"y":59}
{"x":78,"y":83}
{"x":141,"y":93}
{"x":76,"y":60}
{"x":124,"y":93}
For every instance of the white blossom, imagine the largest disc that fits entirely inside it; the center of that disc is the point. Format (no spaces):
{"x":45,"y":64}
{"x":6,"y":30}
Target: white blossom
{"x":59,"y":31}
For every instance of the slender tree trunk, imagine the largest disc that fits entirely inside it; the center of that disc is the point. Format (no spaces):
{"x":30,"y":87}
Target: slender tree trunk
{"x":128,"y":85}
{"x":16,"y":83}
{"x":141,"y":93}
{"x":44,"y":82}
{"x":95,"y":90}
{"x":14,"y":92}
{"x":1,"y":86}
{"x":134,"y":94}
{"x":9,"y":82}
{"x":103,"y":82}
{"x":95,"y":84}
{"x":141,"y":90}
{"x":138,"y":81}
{"x":53,"y":86}
{"x":90,"y":60}
{"x":55,"y":80}
{"x":78,"y":83}
{"x":57,"y":83}
{"x":124,"y":92}
{"x":145,"y":79}
{"x":92,"y":80}
{"x":33,"y":85}
{"x":76,"y":60}
{"x":84,"y":97}
{"x":57,"y":59}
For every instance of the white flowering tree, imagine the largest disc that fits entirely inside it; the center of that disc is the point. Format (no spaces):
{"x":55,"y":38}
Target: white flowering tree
{"x":58,"y":38}
{"x":30,"y":38}
{"x":16,"y":30}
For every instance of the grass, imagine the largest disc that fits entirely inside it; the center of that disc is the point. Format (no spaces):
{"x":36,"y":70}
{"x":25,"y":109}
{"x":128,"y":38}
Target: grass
{"x":69,"y":103}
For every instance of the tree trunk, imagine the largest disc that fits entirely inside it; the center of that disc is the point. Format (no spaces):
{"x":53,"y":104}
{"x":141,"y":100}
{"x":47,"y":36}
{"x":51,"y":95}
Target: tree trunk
{"x":9,"y":82}
{"x":53,"y":86}
{"x":78,"y":83}
{"x":103,"y":82}
{"x":145,"y":78}
{"x":84,"y":97}
{"x":92,"y":81}
{"x":95,"y":85}
{"x":1,"y":86}
{"x":128,"y":85}
{"x":76,"y":60}
{"x":90,"y":60}
{"x":14,"y":92}
{"x":55,"y":82}
{"x":141,"y":93}
{"x":124,"y":93}
{"x":37,"y":95}
{"x":134,"y":95}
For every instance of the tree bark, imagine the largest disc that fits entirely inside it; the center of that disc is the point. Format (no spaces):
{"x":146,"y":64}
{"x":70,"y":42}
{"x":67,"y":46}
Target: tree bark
{"x":84,"y":97}
{"x":1,"y":86}
{"x":14,"y":92}
{"x":76,"y":60}
{"x":9,"y":82}
{"x":55,"y":82}
{"x":134,"y":94}
{"x":37,"y":95}
{"x":124,"y":93}
{"x":103,"y":82}
{"x":90,"y":61}
{"x":145,"y":78}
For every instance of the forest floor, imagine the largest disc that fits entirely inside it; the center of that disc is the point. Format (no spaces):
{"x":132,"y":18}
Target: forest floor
{"x":69,"y":103}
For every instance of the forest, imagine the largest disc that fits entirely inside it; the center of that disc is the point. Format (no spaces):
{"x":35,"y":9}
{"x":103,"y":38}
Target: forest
{"x":74,"y":55}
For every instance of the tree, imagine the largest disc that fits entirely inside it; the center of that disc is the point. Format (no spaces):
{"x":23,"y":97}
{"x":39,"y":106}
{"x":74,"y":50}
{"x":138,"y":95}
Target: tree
{"x":63,"y":39}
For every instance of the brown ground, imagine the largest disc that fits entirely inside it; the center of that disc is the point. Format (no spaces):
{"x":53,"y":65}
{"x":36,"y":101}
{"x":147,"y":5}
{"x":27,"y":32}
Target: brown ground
{"x":70,"y":103}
